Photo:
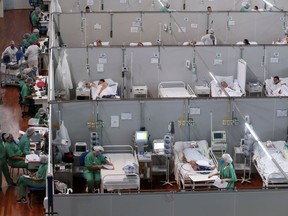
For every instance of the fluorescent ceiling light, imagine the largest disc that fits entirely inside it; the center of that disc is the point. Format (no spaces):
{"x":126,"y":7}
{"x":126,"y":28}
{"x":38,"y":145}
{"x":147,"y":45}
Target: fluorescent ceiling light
{"x":257,"y":139}
{"x":214,"y":78}
{"x":161,"y":3}
{"x":268,"y":3}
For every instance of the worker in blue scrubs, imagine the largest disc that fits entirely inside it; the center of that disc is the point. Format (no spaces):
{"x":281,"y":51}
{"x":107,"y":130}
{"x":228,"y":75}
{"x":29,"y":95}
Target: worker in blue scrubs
{"x":226,"y":171}
{"x":24,"y":143}
{"x":94,"y":162}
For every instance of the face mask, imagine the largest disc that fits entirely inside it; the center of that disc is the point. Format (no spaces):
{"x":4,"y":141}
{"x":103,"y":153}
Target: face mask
{"x":222,"y":161}
{"x":100,"y":155}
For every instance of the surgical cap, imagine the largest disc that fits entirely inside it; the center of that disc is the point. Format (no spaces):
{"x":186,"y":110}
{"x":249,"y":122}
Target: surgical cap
{"x":36,"y":31}
{"x":34,"y":68}
{"x":24,"y":77}
{"x":26,"y":36}
{"x":43,"y":159}
{"x":211,"y":31}
{"x":41,"y":111}
{"x":18,"y":75}
{"x":227,"y":158}
{"x":30,"y":131}
{"x":98,"y":148}
{"x":6,"y":136}
{"x":29,"y":80}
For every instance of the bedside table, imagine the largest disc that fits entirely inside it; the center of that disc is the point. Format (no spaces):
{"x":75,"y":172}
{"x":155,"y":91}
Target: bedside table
{"x":202,"y":90}
{"x":254,"y":88}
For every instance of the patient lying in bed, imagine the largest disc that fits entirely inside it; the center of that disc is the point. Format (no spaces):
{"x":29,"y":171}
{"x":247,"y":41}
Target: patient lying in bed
{"x":103,"y":90}
{"x":196,"y":159}
{"x":226,"y":87}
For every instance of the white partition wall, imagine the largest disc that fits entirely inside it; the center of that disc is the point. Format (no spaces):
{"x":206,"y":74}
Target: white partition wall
{"x":154,"y":5}
{"x":170,"y":28}
{"x":151,"y":65}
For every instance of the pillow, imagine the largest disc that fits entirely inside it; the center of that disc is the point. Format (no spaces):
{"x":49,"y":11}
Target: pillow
{"x":285,"y":153}
{"x":228,"y":79}
{"x":190,"y":144}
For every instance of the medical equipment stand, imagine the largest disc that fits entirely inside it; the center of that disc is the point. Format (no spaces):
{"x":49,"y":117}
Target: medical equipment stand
{"x":242,"y":166}
{"x":168,"y":182}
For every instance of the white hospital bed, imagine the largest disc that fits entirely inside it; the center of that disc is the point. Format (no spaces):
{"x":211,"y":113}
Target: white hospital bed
{"x":236,"y":88}
{"x":112,"y":89}
{"x":116,"y":179}
{"x":271,"y":92}
{"x":183,"y":169}
{"x":270,"y":174}
{"x":175,"y":89}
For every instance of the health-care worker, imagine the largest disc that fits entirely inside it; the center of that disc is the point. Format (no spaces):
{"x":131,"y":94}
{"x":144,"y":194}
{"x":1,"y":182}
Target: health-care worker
{"x":24,"y":143}
{"x":226,"y":171}
{"x":14,"y":155}
{"x":3,"y":166}
{"x":37,"y":179}
{"x":42,"y":116}
{"x":94,"y":161}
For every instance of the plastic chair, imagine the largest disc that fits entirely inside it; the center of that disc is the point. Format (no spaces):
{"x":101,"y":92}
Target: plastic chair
{"x":34,"y":3}
{"x":82,"y":158}
{"x":37,"y":191}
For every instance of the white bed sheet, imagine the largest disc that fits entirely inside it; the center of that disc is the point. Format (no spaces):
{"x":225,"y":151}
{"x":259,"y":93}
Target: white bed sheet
{"x":234,"y":91}
{"x":110,"y":90}
{"x":265,"y":166}
{"x":116,"y":179}
{"x":185,"y":169}
{"x":177,"y":92}
{"x":270,"y":90}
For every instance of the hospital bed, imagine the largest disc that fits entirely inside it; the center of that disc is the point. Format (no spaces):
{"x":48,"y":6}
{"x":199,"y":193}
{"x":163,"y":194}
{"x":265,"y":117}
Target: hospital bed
{"x":236,"y":88}
{"x":175,"y":89}
{"x":112,"y":90}
{"x":271,"y":92}
{"x":118,"y":178}
{"x":270,"y":174}
{"x":182,"y":169}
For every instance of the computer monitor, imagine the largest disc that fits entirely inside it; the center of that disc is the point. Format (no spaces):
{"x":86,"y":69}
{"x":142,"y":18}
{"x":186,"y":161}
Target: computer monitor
{"x":158,"y":146}
{"x":218,"y":136}
{"x":141,"y":138}
{"x":79,"y":148}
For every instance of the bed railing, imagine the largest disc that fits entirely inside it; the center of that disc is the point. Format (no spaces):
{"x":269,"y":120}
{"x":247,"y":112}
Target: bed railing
{"x":171,"y":84}
{"x":190,"y":91}
{"x":118,"y":149}
{"x":213,"y":157}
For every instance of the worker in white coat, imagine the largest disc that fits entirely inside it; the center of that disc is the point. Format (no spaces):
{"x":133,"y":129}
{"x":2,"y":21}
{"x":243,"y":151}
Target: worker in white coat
{"x":209,"y":39}
{"x":10,"y":51}
{"x":32,"y":55}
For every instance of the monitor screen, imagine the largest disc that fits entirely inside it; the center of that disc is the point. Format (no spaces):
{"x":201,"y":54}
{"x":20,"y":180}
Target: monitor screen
{"x":218,"y":135}
{"x":158,"y":146}
{"x":80,"y":148}
{"x":141,"y":136}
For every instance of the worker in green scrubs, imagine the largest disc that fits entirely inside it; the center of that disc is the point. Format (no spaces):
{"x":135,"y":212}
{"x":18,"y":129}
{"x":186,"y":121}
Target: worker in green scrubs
{"x":94,"y":162}
{"x":226,"y":171}
{"x":42,"y":116}
{"x":14,"y":155}
{"x":27,"y":92}
{"x":165,"y":7}
{"x":3,"y":166}
{"x":37,"y":179}
{"x":24,"y":143}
